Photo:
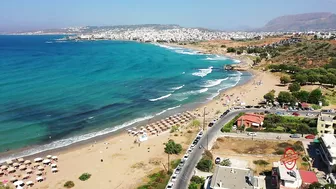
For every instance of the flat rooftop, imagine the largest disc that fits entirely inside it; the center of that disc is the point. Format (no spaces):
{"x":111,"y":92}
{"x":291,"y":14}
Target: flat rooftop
{"x":285,"y":173}
{"x":329,"y":141}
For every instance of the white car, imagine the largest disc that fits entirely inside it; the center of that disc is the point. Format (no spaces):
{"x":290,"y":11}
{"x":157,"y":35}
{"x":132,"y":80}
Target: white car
{"x":251,"y":134}
{"x":190,"y":150}
{"x":170,"y":185}
{"x":174,"y":177}
{"x":185,"y":157}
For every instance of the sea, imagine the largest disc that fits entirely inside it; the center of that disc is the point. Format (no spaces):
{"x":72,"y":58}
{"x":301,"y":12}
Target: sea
{"x":54,"y":93}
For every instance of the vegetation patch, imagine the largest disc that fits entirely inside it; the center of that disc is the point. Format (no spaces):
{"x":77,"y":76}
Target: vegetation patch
{"x":157,"y":180}
{"x":85,"y":176}
{"x":68,"y":184}
{"x":172,"y":147}
{"x":228,"y":127}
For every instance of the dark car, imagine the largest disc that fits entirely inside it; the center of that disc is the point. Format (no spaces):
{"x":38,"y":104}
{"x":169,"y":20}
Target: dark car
{"x":248,"y":106}
{"x":294,"y":136}
{"x":217,"y":160}
{"x":210,"y":124}
{"x":295,"y":114}
{"x":267,"y":112}
{"x":310,"y":137}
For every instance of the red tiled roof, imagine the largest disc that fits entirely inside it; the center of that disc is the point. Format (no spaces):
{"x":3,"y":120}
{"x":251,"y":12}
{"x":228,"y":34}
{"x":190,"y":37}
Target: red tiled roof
{"x":255,"y":118}
{"x":304,"y":105}
{"x":308,"y":177}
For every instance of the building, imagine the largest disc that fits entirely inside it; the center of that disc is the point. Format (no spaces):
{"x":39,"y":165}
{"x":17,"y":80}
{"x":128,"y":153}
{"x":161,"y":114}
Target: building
{"x":251,"y":121}
{"x":326,"y":124}
{"x":308,"y":177}
{"x":328,"y":150}
{"x":235,"y":178}
{"x":282,"y":178}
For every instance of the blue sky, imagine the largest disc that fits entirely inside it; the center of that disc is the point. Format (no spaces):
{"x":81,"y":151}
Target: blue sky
{"x":215,"y":14}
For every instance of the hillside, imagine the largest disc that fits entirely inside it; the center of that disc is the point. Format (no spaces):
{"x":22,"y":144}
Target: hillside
{"x":302,"y":22}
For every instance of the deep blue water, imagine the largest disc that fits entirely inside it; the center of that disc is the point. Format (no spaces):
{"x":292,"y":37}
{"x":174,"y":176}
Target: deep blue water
{"x":59,"y":92}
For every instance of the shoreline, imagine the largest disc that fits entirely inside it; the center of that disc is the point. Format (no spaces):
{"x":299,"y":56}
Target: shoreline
{"x":18,"y":153}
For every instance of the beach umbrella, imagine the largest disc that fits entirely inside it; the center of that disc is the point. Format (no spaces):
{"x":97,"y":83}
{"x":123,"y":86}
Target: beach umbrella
{"x":46,"y":161}
{"x":182,"y":121}
{"x":39,"y":179}
{"x":48,"y":156}
{"x":16,"y":164}
{"x":9,"y":162}
{"x":29,"y":183}
{"x":54,"y":170}
{"x":22,"y":167}
{"x":40,"y":168}
{"x":19,"y":183}
{"x":11,"y":170}
{"x":39,"y":173}
{"x":13,"y":179}
{"x":54,"y":158}
{"x":27,"y":162}
{"x":20,"y":160}
{"x":38,"y":159}
{"x":36,"y":165}
{"x":29,"y":171}
{"x":26,"y":176}
{"x":53,"y":165}
{"x":1,"y":173}
{"x":4,"y":167}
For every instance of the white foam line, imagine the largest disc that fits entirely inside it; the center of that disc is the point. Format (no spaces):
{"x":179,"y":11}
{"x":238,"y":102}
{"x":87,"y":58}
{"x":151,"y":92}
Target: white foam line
{"x":160,"y":98}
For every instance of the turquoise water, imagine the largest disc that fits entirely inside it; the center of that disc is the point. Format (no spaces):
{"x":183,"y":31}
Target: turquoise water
{"x":54,"y":93}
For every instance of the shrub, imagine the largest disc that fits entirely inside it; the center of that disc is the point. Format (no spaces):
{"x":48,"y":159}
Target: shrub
{"x":279,"y":152}
{"x":261,"y":162}
{"x":175,"y":163}
{"x":195,"y":123}
{"x":197,"y":179}
{"x":172,"y":147}
{"x":193,"y":185}
{"x":204,"y":165}
{"x":174,"y":128}
{"x":85,"y":176}
{"x":69,"y":184}
{"x":208,"y":155}
{"x":225,"y":162}
{"x":294,"y":87}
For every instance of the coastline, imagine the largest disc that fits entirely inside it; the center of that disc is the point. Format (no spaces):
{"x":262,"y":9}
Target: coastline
{"x":120,"y":154}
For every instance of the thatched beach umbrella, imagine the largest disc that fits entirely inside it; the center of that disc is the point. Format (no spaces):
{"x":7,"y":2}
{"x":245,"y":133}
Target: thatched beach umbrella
{"x":48,"y":156}
{"x":29,"y":171}
{"x":4,"y":167}
{"x":38,"y":173}
{"x":40,"y":168}
{"x":22,"y":167}
{"x":54,"y":170}
{"x":36,"y":164}
{"x":26,"y":176}
{"x":20,"y":160}
{"x":29,"y":183}
{"x":11,"y":170}
{"x":9,"y":162}
{"x":54,"y":158}
{"x":13,"y":179}
{"x":16,"y":164}
{"x":27,"y":162}
{"x":53,"y":165}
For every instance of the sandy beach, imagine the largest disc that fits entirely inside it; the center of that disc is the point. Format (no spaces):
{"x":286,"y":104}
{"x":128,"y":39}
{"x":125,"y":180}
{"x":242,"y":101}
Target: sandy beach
{"x":117,"y":162}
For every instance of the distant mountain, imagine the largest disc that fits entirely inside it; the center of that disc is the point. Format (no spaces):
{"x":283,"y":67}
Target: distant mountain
{"x":302,"y":22}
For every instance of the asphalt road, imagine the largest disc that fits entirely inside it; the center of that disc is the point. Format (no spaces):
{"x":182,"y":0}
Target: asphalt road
{"x":186,"y":173}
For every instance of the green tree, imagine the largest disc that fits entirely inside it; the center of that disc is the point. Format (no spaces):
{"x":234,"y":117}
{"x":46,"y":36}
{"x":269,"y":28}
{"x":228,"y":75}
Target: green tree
{"x":294,"y":87}
{"x":315,"y":96}
{"x":197,"y":179}
{"x":231,"y":50}
{"x":285,"y":97}
{"x":301,"y":78}
{"x":331,"y":79}
{"x":193,"y":185}
{"x":225,"y":162}
{"x":323,"y":79}
{"x":85,"y":176}
{"x":315,"y":185}
{"x":172,"y":147}
{"x":269,"y":97}
{"x":330,"y":186}
{"x":69,"y":184}
{"x":285,"y":79}
{"x":302,"y":95}
{"x":204,"y":165}
{"x":312,"y":78}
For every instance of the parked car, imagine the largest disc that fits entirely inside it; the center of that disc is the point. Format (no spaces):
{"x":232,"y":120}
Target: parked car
{"x":210,"y":124}
{"x":294,"y":136}
{"x":190,"y":150}
{"x":267,"y":112}
{"x":295,"y":114}
{"x":252,"y":134}
{"x":174,"y":177}
{"x":181,"y":163}
{"x":200,"y":134}
{"x":217,"y":160}
{"x":185,"y":157}
{"x":317,"y":152}
{"x":310,"y":137}
{"x":178,"y":170}
{"x":170,"y":185}
{"x":248,"y":106}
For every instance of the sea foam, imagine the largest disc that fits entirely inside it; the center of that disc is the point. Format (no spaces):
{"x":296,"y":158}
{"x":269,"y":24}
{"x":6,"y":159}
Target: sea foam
{"x":203,"y":72}
{"x":215,"y":82}
{"x":177,"y":88}
{"x":160,"y":98}
{"x":168,"y":109}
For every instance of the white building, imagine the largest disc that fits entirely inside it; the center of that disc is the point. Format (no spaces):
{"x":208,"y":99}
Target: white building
{"x":328,"y":154}
{"x":285,"y":179}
